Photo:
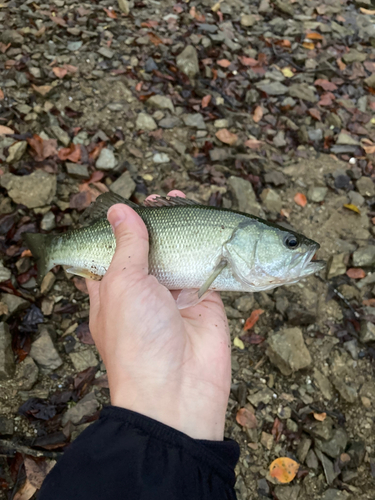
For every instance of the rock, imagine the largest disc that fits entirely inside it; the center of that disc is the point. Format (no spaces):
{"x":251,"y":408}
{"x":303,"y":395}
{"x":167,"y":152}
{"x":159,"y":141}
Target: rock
{"x":124,"y":6}
{"x":370,"y":81}
{"x":86,"y":407}
{"x":15,"y":304}
{"x":324,"y":384}
{"x":44,"y":352}
{"x":34,"y":190}
{"x":356,"y":198}
{"x":271,"y":201}
{"x":232,"y":313}
{"x":272,"y":88}
{"x":279,"y":139}
{"x":124,"y":185}
{"x":26,"y":374}
{"x":244,"y":198}
{"x":248,"y":20}
{"x":245,"y":303}
{"x":274,"y":177}
{"x":60,"y":135}
{"x":187,"y":61}
{"x":367,"y":331}
{"x":160,"y":102}
{"x":12,"y":37}
{"x":106,"y":160}
{"x":221,"y":123}
{"x":347,"y":392}
{"x":311,"y":460}
{"x":335,"y":266}
{"x":170,"y":122}
{"x":357,"y":453}
{"x":145,"y":122}
{"x":78,"y":171}
{"x":7,"y":365}
{"x":317,"y":194}
{"x":287,"y":492}
{"x":195,"y":120}
{"x":351,"y":346}
{"x":322,"y":430}
{"x":354,"y":55}
{"x":16,"y":151}
{"x":5,"y":274}
{"x":106,"y":52}
{"x":6,"y":426}
{"x":303,"y":449}
{"x":287,"y":350}
{"x":345,"y":138}
{"x":161,"y":158}
{"x":315,"y":135}
{"x":333,"y":494}
{"x":266,"y":440}
{"x":47,"y":283}
{"x":48,"y":222}
{"x":364,"y":256}
{"x":303,"y":91}
{"x":83,"y":359}
{"x":365,"y":185}
{"x":264,"y":396}
{"x":329,"y":471}
{"x":73,"y":46}
{"x":335,"y":445}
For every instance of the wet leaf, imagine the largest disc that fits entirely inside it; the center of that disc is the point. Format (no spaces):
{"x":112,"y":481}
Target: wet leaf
{"x":300,"y":199}
{"x":37,"y":470}
{"x":110,"y":13}
{"x":72,"y":153}
{"x":224,"y":63}
{"x":284,"y":469}
{"x":252,"y":320}
{"x":206,"y":101}
{"x":26,"y":491}
{"x":352,"y":207}
{"x":60,"y":72}
{"x":258,"y":114}
{"x":356,"y":273}
{"x":42,"y":148}
{"x":226,"y":137}
{"x":84,"y":334}
{"x":43,"y":89}
{"x":5,"y":130}
{"x":246,"y":418}
{"x":325,"y":84}
{"x":320,"y":416}
{"x":237,"y":342}
{"x":37,"y":408}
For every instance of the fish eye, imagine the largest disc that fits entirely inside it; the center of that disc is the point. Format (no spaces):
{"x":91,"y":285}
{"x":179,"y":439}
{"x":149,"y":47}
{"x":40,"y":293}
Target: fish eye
{"x":291,"y":241}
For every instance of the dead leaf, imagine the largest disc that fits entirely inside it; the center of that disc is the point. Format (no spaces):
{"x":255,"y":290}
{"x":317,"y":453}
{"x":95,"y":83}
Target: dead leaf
{"x":369,"y":302}
{"x":226,"y":137}
{"x":253,"y":319}
{"x":341,"y":64}
{"x":300,"y":199}
{"x":224,"y":63}
{"x":110,"y":13}
{"x":43,"y":89}
{"x":325,"y":84}
{"x":356,"y":273}
{"x":37,"y":470}
{"x":60,"y":72}
{"x":206,"y":100}
{"x":287,"y":72}
{"x":284,"y":469}
{"x":154,"y":39}
{"x":367,"y":11}
{"x":80,"y":201}
{"x":3,"y":47}
{"x":320,"y":416}
{"x":72,"y":153}
{"x":5,"y":130}
{"x":308,"y":46}
{"x":216,"y":7}
{"x":2,"y":96}
{"x":352,"y":207}
{"x":42,"y":149}
{"x":26,"y":253}
{"x":58,"y":20}
{"x":315,"y":113}
{"x":253,"y":143}
{"x":79,"y":282}
{"x":370,"y":66}
{"x":314,"y":36}
{"x":196,"y":15}
{"x":248,"y":61}
{"x":258,"y":114}
{"x":84,"y":334}
{"x":247,"y":419}
{"x":326,"y":99}
{"x":26,"y":491}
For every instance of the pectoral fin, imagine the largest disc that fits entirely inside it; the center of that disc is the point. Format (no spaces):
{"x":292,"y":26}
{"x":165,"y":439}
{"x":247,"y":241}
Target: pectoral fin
{"x":84,"y":273}
{"x":203,"y":289}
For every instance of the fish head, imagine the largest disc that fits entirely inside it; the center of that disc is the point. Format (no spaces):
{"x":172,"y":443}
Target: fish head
{"x":264,"y":255}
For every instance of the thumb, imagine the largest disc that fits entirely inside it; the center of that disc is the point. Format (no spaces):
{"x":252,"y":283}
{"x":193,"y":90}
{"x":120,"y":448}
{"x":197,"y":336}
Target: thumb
{"x":131,"y":255}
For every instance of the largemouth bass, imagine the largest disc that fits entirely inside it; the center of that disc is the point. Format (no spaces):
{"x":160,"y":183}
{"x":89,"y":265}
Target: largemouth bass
{"x":193,"y":248}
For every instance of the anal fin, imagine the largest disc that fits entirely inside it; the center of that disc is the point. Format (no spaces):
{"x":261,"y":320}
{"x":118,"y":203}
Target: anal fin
{"x":84,"y":273}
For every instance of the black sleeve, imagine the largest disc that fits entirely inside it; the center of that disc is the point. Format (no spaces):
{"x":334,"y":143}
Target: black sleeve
{"x":127,"y":456}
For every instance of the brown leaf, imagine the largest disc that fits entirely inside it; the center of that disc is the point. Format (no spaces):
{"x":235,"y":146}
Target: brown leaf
{"x":284,"y":469}
{"x":42,"y":149}
{"x":26,"y":491}
{"x":80,"y":201}
{"x":84,"y":334}
{"x":253,"y":319}
{"x":37,"y":470}
{"x":248,"y":61}
{"x":43,"y":89}
{"x":369,"y":302}
{"x":326,"y":99}
{"x":5,"y":130}
{"x":300,"y":199}
{"x":320,"y":416}
{"x":206,"y":100}
{"x":315,"y":113}
{"x":341,"y":64}
{"x":247,"y":419}
{"x":253,"y":143}
{"x":80,"y":284}
{"x":60,"y":72}
{"x":154,"y":39}
{"x":110,"y":13}
{"x":72,"y":153}
{"x":3,"y":47}
{"x":224,"y":63}
{"x":308,"y":46}
{"x":325,"y":84}
{"x":356,"y":273}
{"x":314,"y":36}
{"x":227,"y":137}
{"x":258,"y":114}
{"x":58,"y":20}
{"x":2,"y":96}
{"x":370,"y":66}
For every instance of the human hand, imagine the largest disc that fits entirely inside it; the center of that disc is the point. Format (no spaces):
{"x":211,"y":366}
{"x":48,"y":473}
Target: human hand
{"x":168,"y":364}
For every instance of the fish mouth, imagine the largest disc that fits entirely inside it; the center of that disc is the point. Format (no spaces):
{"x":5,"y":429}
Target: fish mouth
{"x":306,"y":266}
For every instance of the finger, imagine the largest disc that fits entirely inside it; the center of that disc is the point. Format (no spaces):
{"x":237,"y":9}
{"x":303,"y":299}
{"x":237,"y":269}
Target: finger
{"x":131,"y":255}
{"x":176,"y":192}
{"x":93,"y":289}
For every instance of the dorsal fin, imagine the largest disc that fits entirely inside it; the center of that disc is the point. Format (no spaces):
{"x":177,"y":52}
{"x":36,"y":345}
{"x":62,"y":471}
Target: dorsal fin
{"x":169,"y":201}
{"x":99,"y":209}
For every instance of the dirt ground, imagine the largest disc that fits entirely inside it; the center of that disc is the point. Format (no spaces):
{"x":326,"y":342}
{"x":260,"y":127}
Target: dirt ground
{"x":266,"y":107}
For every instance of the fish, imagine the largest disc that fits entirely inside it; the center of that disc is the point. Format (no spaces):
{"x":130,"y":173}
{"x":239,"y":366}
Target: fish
{"x":193,"y":248}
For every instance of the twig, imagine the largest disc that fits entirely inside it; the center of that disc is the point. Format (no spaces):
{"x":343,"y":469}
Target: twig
{"x":9,"y":447}
{"x":340,"y":296}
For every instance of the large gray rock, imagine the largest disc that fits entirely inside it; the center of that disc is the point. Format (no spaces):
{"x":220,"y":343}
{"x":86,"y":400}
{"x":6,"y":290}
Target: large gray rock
{"x":145,"y":122}
{"x":124,"y":185}
{"x":367,"y":331}
{"x":160,"y":102}
{"x":86,"y":407}
{"x":271,"y":201}
{"x":335,"y":266}
{"x":106,"y":160}
{"x":44,"y":352}
{"x":364,"y":256}
{"x":26,"y":374}
{"x":195,"y":120}
{"x":335,"y":445}
{"x":83,"y":359}
{"x":187,"y":61}
{"x":34,"y":190}
{"x":287,"y":492}
{"x":287,"y":351}
{"x":244,"y":198}
{"x":7,"y":365}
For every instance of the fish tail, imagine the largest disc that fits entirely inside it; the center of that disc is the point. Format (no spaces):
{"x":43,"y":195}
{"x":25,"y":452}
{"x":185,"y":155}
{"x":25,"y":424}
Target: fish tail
{"x":40,"y":246}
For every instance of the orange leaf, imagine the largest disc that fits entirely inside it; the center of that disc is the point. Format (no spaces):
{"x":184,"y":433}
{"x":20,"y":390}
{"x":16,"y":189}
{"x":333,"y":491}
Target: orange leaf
{"x":248,"y":61}
{"x":300,"y":199}
{"x":320,"y":416}
{"x":224,"y":63}
{"x":308,"y":46}
{"x":227,"y":137}
{"x":1,"y":95}
{"x":72,"y":153}
{"x":341,"y":64}
{"x":155,"y":39}
{"x":369,"y":302}
{"x":110,"y":13}
{"x":284,"y":469}
{"x":314,"y":36}
{"x":258,"y":114}
{"x":26,"y":253}
{"x":253,"y":143}
{"x":43,"y":89}
{"x":42,"y":149}
{"x":5,"y":130}
{"x":367,"y":11}
{"x":245,"y":418}
{"x":356,"y":273}
{"x":206,"y":100}
{"x":254,"y":316}
{"x":60,"y":72}
{"x":26,"y":491}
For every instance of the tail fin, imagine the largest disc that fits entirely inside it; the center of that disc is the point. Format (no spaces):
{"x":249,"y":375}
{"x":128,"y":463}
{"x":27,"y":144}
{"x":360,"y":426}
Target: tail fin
{"x":39,"y":244}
